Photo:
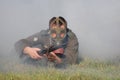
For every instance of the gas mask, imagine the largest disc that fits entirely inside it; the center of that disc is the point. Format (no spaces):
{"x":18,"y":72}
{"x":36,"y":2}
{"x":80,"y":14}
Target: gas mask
{"x":57,"y":31}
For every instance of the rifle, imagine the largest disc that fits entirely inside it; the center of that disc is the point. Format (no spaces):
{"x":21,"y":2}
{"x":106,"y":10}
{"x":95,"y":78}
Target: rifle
{"x":48,"y":52}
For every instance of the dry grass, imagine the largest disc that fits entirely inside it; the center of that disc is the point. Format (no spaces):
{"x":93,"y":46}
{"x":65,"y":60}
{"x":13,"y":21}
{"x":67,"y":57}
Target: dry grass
{"x":86,"y":70}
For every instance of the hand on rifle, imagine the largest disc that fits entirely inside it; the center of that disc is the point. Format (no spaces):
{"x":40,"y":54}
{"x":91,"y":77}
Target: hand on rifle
{"x":53,"y":57}
{"x":32,"y":52}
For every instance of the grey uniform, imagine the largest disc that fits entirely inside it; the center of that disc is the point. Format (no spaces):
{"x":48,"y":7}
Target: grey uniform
{"x":42,"y":38}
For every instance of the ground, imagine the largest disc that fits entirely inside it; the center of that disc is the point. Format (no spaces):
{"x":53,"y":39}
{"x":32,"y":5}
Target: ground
{"x":87,"y":70}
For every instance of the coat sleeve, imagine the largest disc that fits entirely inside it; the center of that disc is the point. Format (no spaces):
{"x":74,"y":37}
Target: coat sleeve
{"x":29,"y":41}
{"x":72,"y":51}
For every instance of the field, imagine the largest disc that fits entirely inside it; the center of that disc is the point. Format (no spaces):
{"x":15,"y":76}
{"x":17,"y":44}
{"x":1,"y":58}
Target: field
{"x":86,"y":70}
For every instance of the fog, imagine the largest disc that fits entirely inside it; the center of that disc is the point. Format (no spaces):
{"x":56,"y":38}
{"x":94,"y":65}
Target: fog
{"x":96,"y":23}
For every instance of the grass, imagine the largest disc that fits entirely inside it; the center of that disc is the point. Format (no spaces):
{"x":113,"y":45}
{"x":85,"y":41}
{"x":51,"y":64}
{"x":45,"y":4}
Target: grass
{"x":86,"y":70}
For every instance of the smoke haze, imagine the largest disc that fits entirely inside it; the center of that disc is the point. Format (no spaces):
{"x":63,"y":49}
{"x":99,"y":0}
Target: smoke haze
{"x":95,"y":22}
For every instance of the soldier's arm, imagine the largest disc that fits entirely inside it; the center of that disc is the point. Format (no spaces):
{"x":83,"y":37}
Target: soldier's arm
{"x":22,"y":46}
{"x":72,"y":51}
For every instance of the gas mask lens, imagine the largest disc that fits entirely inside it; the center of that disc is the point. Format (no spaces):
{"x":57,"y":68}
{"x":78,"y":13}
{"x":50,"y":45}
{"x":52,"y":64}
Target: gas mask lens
{"x":53,"y":34}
